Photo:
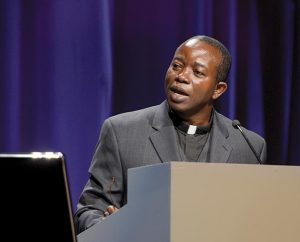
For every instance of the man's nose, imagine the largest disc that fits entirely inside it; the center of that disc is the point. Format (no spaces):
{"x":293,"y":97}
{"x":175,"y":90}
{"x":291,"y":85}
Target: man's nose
{"x":183,"y":77}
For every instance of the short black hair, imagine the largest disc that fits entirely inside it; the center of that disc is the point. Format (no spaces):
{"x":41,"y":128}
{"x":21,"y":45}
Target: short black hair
{"x":224,"y":66}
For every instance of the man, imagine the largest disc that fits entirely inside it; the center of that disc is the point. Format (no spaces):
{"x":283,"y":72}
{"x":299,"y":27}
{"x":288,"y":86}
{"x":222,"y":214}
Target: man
{"x":185,"y":127}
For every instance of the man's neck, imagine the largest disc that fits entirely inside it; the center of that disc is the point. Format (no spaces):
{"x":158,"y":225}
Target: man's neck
{"x":199,"y":119}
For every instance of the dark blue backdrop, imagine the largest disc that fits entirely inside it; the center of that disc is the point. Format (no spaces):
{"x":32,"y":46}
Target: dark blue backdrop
{"x":65,"y":65}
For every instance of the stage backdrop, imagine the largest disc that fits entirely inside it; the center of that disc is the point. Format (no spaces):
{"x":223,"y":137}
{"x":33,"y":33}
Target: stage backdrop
{"x":67,"y":65}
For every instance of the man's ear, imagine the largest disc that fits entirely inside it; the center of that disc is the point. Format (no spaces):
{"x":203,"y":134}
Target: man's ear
{"x":220,"y":88}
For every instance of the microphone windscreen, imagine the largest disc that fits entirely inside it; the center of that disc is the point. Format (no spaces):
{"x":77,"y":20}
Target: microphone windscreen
{"x":236,"y":123}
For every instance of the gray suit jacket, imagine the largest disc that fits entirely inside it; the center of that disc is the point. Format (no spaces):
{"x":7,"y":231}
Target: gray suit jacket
{"x":146,"y":137}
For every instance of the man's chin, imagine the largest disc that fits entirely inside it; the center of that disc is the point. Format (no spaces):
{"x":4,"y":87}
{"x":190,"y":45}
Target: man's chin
{"x":178,"y":107}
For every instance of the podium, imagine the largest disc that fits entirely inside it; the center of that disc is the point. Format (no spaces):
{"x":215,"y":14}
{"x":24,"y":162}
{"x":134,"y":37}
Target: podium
{"x":209,"y":202}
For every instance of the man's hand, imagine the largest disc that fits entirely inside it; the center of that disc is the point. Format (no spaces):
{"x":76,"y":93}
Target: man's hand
{"x":110,"y":210}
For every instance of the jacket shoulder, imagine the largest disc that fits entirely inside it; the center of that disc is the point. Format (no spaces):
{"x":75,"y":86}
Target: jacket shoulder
{"x":134,"y":118}
{"x":233,"y":131}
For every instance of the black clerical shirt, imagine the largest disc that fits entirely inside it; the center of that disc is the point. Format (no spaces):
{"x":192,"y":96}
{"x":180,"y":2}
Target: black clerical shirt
{"x":191,"y":139}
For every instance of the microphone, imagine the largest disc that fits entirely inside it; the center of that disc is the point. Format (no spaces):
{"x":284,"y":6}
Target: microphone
{"x":237,"y":125}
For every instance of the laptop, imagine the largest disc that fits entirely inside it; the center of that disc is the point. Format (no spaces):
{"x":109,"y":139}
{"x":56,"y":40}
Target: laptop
{"x":35,"y":198}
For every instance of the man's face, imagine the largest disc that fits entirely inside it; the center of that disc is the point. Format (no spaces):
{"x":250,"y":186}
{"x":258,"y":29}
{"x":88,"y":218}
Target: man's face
{"x":190,"y":82}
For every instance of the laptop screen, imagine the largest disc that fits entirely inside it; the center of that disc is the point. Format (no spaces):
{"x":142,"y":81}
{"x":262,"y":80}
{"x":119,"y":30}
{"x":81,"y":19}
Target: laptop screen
{"x":35,"y":198}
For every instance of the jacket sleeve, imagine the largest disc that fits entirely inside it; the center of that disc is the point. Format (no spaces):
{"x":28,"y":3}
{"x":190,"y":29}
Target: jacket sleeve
{"x":106,"y":183}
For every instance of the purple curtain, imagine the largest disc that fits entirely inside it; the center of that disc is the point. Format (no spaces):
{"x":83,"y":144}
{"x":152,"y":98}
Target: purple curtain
{"x":66,"y":65}
{"x":56,"y":79}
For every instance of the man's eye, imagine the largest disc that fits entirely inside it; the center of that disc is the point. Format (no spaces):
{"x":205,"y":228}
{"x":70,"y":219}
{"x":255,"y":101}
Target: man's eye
{"x":198,"y":73}
{"x":175,"y":66}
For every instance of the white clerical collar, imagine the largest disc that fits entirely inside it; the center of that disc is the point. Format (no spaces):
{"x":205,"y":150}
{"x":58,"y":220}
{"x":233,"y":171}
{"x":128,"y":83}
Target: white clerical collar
{"x":192,"y":129}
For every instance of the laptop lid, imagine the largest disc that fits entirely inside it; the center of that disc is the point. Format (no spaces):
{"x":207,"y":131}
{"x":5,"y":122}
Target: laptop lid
{"x":35,"y":198}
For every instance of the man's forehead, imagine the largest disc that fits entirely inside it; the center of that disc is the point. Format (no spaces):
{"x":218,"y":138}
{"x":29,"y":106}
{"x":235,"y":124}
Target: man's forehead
{"x":198,"y":47}
{"x":197,"y":52}
{"x":191,"y":42}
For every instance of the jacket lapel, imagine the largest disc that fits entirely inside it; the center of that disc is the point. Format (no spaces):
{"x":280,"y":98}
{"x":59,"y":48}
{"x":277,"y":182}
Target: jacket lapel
{"x":164,"y":138}
{"x":218,"y":145}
